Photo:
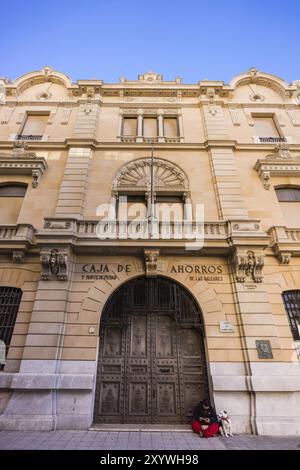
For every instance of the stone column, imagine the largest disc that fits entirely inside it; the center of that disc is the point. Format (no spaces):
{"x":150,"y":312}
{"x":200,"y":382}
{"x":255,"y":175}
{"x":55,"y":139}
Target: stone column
{"x":180,"y":127}
{"x":161,"y":137}
{"x":140,"y":126}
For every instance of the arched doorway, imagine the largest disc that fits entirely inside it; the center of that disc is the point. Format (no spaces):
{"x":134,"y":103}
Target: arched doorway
{"x":151,"y":366}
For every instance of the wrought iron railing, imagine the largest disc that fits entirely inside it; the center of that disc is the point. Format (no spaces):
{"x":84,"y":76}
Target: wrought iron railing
{"x":272,"y":140}
{"x":29,"y":137}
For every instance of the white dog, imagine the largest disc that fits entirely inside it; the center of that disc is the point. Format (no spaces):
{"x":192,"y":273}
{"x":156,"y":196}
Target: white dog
{"x":226,"y":424}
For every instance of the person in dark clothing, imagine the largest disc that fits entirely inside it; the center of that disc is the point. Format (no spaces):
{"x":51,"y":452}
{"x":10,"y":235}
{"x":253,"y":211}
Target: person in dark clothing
{"x":205,"y":421}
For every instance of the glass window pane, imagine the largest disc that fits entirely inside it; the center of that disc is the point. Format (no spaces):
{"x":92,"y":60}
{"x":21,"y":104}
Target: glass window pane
{"x":13,"y":190}
{"x":150,"y":127}
{"x":288,"y":194}
{"x":292,"y":305}
{"x":170,"y":127}
{"x":129,"y":126}
{"x":265,"y":127}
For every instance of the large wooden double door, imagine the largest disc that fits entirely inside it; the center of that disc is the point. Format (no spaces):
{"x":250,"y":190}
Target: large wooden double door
{"x":151,"y":366}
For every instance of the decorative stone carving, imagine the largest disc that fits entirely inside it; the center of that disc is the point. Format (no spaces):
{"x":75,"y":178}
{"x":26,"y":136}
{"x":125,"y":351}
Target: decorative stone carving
{"x":44,"y":95}
{"x":55,"y":265}
{"x":210,"y":92}
{"x":152,"y":262}
{"x":282,"y":152}
{"x":279,"y":163}
{"x":18,"y":256}
{"x":248,"y":265}
{"x":284,"y":258}
{"x":137,"y":174}
{"x":150,"y":77}
{"x":257,"y":97}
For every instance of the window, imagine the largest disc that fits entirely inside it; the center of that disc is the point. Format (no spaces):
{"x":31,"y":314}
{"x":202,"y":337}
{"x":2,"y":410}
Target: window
{"x":289,"y":199}
{"x":129,"y":126}
{"x":170,"y":127}
{"x":34,"y":127}
{"x":169,"y":208}
{"x":291,"y":299}
{"x":288,"y":194}
{"x":144,"y":128}
{"x":150,"y":127}
{"x":10,"y":298}
{"x":11,"y":200}
{"x":134,"y":208}
{"x":265,"y":126}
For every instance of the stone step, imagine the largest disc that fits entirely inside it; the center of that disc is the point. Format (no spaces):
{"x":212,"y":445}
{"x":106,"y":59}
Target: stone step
{"x":141,"y":427}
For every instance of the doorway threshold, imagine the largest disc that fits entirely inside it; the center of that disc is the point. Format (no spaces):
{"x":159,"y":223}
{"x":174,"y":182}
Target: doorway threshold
{"x":141,"y":427}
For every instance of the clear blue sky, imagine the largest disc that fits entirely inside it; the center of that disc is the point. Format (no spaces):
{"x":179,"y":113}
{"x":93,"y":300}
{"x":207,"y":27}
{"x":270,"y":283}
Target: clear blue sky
{"x":194,"y":39}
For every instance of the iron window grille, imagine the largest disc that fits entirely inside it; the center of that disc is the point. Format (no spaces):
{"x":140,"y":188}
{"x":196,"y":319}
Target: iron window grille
{"x":10,"y":298}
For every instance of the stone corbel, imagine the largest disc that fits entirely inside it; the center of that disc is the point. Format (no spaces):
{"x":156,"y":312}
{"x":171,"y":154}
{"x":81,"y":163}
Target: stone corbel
{"x":248,"y":264}
{"x":55,"y":264}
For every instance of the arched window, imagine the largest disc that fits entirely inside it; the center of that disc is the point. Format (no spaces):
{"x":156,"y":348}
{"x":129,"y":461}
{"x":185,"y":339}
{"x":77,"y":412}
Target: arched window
{"x":11,"y":200}
{"x":291,"y":300}
{"x":10,"y":298}
{"x":139,"y":178}
{"x":289,"y":199}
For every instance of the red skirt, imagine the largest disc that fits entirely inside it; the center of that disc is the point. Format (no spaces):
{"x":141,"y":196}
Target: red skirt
{"x":209,"y":432}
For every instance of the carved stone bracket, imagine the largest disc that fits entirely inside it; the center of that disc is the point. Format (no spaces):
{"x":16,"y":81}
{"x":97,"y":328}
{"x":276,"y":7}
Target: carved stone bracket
{"x":153,"y":265}
{"x":26,"y":163}
{"x":248,"y":264}
{"x":279,"y":163}
{"x":55,"y":264}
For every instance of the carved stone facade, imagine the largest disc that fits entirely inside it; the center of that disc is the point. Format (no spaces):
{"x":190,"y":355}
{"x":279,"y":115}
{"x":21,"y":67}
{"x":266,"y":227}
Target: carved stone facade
{"x":129,"y":320}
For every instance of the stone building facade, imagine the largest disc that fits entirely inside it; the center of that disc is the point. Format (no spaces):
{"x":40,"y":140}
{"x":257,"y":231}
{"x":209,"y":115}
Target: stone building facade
{"x":138,"y":326}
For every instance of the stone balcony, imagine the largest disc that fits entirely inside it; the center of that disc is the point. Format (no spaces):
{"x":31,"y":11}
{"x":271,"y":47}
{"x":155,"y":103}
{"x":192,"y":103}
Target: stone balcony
{"x":285,"y":242}
{"x":124,"y":237}
{"x":129,"y":237}
{"x":16,"y":239}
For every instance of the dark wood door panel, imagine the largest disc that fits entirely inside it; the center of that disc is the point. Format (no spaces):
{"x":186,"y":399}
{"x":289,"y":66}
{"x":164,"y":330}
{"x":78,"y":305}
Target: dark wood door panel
{"x":151,"y":366}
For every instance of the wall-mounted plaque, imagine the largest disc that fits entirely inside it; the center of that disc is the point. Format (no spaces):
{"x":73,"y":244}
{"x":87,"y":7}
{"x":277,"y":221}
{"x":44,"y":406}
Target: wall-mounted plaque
{"x":226,"y":327}
{"x":264,"y":349}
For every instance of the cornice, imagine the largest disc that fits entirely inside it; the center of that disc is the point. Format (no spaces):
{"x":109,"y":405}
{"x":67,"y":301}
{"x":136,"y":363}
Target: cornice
{"x":180,"y":146}
{"x":23,"y":164}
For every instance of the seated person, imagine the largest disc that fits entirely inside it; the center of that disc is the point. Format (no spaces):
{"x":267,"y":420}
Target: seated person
{"x":205,"y":421}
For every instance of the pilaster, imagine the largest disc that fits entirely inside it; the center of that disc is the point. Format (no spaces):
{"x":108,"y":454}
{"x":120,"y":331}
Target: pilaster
{"x":74,"y":184}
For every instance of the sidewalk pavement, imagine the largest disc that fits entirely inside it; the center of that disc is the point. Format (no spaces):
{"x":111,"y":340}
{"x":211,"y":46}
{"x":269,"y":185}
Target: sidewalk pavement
{"x":101,"y":440}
